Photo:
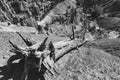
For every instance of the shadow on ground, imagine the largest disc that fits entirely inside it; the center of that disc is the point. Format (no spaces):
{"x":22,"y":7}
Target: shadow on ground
{"x":17,"y":70}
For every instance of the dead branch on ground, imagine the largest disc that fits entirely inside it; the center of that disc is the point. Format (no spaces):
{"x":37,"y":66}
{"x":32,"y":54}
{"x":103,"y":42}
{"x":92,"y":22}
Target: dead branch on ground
{"x":46,"y":54}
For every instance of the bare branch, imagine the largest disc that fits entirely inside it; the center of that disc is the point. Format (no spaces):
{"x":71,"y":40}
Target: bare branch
{"x":28,"y":43}
{"x":16,"y":47}
{"x":35,"y":46}
{"x":42,"y":46}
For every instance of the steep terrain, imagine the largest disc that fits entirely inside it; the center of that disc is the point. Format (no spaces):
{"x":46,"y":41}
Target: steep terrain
{"x":90,"y":62}
{"x":96,"y":60}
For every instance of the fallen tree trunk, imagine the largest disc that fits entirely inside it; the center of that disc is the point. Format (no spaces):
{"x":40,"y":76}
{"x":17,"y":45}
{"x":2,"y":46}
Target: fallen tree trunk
{"x":64,"y":47}
{"x":47,"y":55}
{"x":107,"y":45}
{"x":61,"y":53}
{"x":41,"y":51}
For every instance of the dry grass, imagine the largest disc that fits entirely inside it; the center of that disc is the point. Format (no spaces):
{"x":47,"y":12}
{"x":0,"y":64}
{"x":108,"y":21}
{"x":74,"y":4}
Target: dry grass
{"x":85,"y":64}
{"x":89,"y":64}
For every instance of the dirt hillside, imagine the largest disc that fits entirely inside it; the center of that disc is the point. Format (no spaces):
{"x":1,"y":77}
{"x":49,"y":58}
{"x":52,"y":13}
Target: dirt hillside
{"x":87,"y":63}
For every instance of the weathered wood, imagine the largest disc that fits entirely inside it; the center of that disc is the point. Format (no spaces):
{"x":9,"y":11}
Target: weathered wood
{"x":28,"y":43}
{"x":71,"y":47}
{"x":62,"y":44}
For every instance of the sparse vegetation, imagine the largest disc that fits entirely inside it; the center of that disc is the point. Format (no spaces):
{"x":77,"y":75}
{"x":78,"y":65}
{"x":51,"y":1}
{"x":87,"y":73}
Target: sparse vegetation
{"x":86,"y":34}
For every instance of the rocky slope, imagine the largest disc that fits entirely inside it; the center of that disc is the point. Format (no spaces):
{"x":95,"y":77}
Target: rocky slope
{"x":90,"y":62}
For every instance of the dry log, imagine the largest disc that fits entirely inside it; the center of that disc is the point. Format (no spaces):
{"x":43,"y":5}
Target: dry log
{"x":61,"y":48}
{"x":62,"y":44}
{"x":105,"y":44}
{"x":40,"y":51}
{"x":72,"y":46}
{"x":65,"y":46}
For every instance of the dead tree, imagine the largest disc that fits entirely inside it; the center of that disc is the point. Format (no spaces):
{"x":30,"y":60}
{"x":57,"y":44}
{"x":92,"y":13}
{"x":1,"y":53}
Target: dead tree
{"x":42,"y":53}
